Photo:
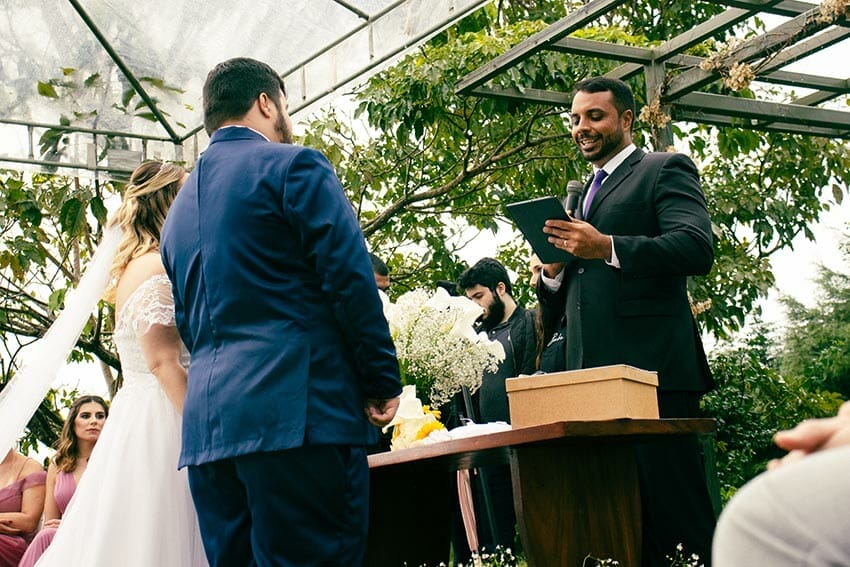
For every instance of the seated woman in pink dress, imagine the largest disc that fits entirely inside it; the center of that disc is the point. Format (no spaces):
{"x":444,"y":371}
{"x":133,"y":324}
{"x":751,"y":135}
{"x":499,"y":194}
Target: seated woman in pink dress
{"x":76,"y":442}
{"x":21,"y":502}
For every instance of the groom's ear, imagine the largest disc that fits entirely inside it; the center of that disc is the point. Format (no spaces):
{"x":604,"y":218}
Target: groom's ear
{"x":264,"y":105}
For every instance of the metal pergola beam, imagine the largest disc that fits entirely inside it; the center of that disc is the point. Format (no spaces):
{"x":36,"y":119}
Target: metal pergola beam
{"x":788,"y":42}
{"x":737,"y":122}
{"x":82,"y":130}
{"x":538,"y":42}
{"x":787,"y":78}
{"x":789,"y":8}
{"x":615,"y":51}
{"x":814,"y":98}
{"x":63,"y":165}
{"x":367,"y":24}
{"x":534,"y":96}
{"x":763,"y":45}
{"x":125,"y":70}
{"x":805,"y":48}
{"x":765,"y":110}
{"x":697,"y":34}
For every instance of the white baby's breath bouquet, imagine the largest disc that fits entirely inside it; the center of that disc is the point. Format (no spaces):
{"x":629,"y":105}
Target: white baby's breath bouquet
{"x":437,"y":347}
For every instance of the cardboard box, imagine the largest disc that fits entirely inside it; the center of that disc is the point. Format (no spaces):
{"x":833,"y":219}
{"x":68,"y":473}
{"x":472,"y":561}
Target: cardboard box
{"x":606,"y":392}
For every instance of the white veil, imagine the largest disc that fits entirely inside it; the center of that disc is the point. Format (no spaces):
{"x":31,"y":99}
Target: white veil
{"x":41,"y":361}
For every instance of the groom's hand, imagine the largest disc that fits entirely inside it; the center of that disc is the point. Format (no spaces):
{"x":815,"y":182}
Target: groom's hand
{"x":381,"y":412}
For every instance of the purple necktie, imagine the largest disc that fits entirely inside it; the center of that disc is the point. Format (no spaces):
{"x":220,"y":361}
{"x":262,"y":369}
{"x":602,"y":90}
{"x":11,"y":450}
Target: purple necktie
{"x":594,"y":187}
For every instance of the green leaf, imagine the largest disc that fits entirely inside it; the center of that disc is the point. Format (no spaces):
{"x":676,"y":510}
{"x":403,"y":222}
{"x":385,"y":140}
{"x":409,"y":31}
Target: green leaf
{"x":72,"y":217}
{"x":91,"y":80}
{"x":56,"y":299}
{"x":127,"y":96}
{"x":46,"y":89}
{"x":32,"y":215}
{"x":160,"y":84}
{"x":98,"y":209}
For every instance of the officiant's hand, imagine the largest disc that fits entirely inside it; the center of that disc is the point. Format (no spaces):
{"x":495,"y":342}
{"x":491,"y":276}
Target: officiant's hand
{"x":579,"y":238}
{"x":381,"y":412}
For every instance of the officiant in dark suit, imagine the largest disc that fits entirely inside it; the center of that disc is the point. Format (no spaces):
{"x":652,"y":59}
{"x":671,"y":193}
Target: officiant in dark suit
{"x":642,"y":228}
{"x":291,"y":354}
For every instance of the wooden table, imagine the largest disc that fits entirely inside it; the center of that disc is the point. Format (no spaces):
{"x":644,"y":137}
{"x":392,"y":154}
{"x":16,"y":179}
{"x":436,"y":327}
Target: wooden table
{"x":575,"y":491}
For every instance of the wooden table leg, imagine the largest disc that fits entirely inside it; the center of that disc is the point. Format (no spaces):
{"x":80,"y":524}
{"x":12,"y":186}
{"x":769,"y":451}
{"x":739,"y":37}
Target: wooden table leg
{"x":576,"y":500}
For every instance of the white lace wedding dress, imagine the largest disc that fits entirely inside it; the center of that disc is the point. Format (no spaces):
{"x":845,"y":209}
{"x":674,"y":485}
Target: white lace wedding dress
{"x":132,"y":507}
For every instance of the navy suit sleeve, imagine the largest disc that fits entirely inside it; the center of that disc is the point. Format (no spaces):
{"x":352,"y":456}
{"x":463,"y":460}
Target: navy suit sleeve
{"x":683,"y":246}
{"x":315,"y":204}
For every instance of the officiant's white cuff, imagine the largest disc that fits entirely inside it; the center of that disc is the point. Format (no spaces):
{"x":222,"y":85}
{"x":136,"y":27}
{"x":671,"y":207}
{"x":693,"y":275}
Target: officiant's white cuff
{"x":615,"y":262}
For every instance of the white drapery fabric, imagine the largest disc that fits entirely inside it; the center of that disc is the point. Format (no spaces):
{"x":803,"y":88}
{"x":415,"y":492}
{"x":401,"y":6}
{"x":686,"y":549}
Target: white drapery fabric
{"x":41,"y":361}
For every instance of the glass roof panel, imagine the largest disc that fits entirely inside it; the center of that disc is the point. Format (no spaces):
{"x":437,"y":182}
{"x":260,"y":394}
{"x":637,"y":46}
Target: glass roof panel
{"x":95,"y":64}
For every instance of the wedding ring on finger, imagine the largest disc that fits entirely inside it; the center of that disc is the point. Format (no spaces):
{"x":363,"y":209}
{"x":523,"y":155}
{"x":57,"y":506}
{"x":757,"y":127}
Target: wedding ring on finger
{"x":565,"y":243}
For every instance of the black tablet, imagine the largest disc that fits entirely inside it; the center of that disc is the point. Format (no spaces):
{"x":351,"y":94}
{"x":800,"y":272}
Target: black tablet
{"x":530,"y":216}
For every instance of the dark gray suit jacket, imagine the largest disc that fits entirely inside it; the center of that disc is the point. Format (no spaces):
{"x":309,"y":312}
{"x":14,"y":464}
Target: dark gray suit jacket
{"x":639,"y":314}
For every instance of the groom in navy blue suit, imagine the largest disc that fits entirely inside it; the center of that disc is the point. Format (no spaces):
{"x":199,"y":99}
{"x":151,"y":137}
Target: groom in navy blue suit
{"x":291,"y":354}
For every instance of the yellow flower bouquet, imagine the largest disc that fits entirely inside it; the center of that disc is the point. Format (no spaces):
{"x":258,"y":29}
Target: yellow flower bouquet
{"x":414,"y":423}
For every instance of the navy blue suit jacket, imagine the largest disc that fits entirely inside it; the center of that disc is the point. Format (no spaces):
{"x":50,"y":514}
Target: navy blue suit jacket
{"x":276,"y":302}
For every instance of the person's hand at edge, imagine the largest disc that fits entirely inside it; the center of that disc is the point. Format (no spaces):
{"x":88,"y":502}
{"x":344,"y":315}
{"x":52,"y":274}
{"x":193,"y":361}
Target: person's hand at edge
{"x":813,"y":435}
{"x":381,"y":412}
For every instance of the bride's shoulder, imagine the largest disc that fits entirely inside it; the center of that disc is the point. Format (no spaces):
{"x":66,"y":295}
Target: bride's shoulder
{"x":139,"y":271}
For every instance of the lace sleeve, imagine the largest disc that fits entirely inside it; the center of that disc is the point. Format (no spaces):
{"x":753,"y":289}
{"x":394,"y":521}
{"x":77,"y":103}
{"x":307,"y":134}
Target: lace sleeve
{"x":151,"y":304}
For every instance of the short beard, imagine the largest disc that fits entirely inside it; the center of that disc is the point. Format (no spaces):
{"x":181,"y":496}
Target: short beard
{"x":282,"y":126}
{"x":608,"y":145}
{"x":495,"y":313}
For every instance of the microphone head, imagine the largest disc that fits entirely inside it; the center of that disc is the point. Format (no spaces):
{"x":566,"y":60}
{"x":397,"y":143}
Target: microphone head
{"x":574,"y":191}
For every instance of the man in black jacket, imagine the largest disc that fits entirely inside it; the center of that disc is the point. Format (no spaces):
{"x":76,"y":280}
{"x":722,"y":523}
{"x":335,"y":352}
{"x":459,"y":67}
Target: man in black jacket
{"x":487,"y":283}
{"x":642,"y":228}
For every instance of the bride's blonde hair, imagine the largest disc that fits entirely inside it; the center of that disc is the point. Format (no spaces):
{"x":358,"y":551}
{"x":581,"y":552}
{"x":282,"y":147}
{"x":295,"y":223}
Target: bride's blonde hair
{"x":152,"y":188}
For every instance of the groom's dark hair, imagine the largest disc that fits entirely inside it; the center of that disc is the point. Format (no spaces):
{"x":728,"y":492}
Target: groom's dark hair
{"x":233,"y":86}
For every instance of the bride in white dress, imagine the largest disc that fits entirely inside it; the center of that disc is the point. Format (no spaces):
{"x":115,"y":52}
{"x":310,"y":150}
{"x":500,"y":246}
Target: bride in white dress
{"x":133,"y":508}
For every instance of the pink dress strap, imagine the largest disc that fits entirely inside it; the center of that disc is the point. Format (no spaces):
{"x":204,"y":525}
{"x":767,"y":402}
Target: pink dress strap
{"x":34,"y":479}
{"x":11,"y":496}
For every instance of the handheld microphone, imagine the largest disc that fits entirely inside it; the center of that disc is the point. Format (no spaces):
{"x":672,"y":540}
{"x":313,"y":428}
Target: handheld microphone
{"x":574,"y":192}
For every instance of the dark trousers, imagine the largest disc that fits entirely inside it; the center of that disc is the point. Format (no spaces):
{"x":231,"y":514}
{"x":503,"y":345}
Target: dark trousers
{"x":299,"y":507}
{"x":676,"y":504}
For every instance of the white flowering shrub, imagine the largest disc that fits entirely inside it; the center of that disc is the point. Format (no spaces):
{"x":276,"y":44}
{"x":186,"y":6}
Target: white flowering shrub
{"x":437,"y":347}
